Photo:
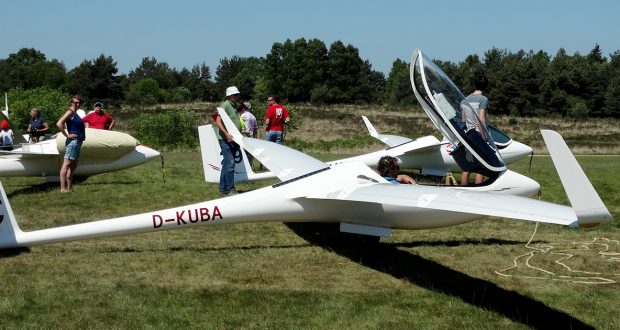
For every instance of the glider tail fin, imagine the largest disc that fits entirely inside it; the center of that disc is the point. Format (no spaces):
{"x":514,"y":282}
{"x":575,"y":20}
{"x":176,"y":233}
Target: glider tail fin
{"x":210,"y":152}
{"x":371,"y":129}
{"x":585,"y":201}
{"x":9,"y":230}
{"x":212,"y":159}
{"x":6,"y":106}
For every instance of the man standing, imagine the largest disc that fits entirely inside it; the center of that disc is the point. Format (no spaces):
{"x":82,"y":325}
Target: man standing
{"x":249,"y":119}
{"x":275,"y":119}
{"x":480,"y":104}
{"x":99,"y":119}
{"x":227,"y":145}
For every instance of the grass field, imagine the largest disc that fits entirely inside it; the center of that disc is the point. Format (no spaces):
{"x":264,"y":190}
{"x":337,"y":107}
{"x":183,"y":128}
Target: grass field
{"x":279,"y":275}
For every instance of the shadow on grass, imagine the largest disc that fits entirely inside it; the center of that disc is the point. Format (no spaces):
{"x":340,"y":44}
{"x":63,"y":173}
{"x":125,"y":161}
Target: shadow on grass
{"x":387,"y":258}
{"x":206,"y":249}
{"x":13,"y":252}
{"x":37,"y":188}
{"x":55,"y":186}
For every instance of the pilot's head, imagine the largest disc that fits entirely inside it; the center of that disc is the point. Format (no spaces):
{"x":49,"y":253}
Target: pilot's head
{"x":388,"y":166}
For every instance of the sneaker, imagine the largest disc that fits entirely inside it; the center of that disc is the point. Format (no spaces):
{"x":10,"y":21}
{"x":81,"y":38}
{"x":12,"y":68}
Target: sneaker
{"x":232,"y":192}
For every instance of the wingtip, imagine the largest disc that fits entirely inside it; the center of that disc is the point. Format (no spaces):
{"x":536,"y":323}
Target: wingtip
{"x":585,"y":201}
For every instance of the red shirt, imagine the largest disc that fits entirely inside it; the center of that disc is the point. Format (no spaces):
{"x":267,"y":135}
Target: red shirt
{"x":98,"y":121}
{"x":276,"y":115}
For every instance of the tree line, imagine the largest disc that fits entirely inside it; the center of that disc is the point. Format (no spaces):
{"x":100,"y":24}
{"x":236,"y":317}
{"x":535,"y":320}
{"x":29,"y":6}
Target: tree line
{"x":521,"y":83}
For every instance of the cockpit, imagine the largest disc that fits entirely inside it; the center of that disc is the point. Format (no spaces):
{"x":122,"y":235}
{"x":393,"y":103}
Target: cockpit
{"x":443,"y":102}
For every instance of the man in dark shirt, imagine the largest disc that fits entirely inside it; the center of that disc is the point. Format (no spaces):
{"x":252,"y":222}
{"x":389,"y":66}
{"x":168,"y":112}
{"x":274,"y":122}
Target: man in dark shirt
{"x":38,"y":126}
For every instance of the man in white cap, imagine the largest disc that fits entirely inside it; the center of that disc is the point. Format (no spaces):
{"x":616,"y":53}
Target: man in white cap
{"x":228,"y":146}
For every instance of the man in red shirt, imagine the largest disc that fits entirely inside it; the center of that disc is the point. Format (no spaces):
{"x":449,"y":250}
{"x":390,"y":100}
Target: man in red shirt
{"x":99,"y":119}
{"x":275,"y":119}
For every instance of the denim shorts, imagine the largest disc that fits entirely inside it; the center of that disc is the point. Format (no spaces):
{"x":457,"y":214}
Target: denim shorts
{"x":72,"y":149}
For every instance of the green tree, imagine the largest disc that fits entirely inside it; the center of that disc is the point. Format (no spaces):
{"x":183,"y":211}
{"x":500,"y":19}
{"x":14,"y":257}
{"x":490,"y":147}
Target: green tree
{"x":225,"y":74}
{"x":144,"y":92}
{"x":595,"y":81}
{"x":348,"y":75}
{"x":467,"y":70}
{"x":96,"y":80}
{"x":175,"y":128}
{"x":376,"y":82}
{"x":198,"y":82}
{"x":52,"y":103}
{"x":242,"y":72}
{"x":161,"y":72}
{"x":251,"y":70}
{"x":514,"y":82}
{"x":304,"y":66}
{"x":612,"y":93}
{"x":398,"y":85}
{"x":273,"y":73}
{"x":28,"y":68}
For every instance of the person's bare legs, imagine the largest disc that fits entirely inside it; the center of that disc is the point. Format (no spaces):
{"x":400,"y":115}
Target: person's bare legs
{"x":464,"y":178}
{"x":70,"y":171}
{"x":479,"y":178}
{"x":64,"y":169}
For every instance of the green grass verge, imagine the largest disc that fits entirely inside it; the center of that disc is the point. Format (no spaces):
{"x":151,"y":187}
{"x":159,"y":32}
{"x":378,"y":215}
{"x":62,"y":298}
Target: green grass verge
{"x":278,"y":275}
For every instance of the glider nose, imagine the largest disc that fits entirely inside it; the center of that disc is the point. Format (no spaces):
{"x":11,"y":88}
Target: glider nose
{"x":514,"y":183}
{"x":147,"y":152}
{"x":515,"y":151}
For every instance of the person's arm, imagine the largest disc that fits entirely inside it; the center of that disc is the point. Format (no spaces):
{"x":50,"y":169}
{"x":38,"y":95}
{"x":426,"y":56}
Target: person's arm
{"x":267,"y":120}
{"x":86,"y":120}
{"x":223,"y":132}
{"x":29,"y":130}
{"x":45,"y":128}
{"x":61,"y":125}
{"x":112,"y":122}
{"x":483,"y":116}
{"x":403,"y":178}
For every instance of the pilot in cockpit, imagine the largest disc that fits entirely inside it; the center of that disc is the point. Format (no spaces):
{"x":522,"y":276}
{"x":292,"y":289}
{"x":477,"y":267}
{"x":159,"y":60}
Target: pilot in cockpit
{"x":388,"y":168}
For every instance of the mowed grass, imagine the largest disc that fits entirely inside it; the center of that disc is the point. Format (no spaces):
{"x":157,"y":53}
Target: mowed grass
{"x":277,"y":275}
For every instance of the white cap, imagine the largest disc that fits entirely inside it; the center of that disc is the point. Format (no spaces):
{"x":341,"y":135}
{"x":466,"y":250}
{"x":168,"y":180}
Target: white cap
{"x":232,"y":90}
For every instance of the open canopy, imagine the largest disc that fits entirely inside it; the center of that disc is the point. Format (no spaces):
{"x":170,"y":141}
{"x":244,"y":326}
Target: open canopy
{"x":455,"y":118}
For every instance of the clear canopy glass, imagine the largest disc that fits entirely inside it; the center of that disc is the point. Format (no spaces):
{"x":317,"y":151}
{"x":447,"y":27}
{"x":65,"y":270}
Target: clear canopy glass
{"x":455,"y":118}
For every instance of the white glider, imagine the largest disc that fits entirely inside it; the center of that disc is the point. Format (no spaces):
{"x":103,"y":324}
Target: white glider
{"x":103,"y":151}
{"x":426,"y":153}
{"x":350,"y":193}
{"x":354,"y":195}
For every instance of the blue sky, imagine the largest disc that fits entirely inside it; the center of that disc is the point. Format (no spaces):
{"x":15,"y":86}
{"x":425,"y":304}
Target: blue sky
{"x":184,"y":33}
